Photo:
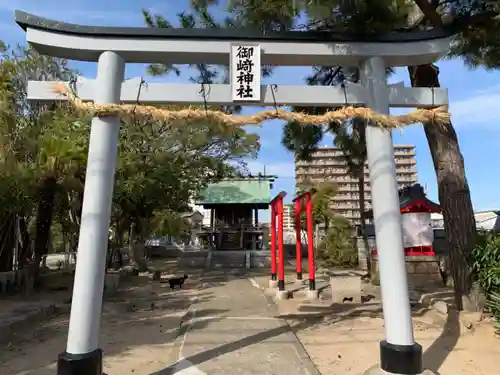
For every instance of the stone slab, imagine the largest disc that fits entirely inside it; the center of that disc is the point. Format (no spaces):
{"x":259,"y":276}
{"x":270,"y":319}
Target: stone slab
{"x":376,"y":370}
{"x":345,"y":287}
{"x":282,"y":295}
{"x":312,"y":295}
{"x":111,"y":283}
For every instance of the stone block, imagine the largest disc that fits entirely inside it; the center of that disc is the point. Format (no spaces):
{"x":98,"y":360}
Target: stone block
{"x":282,"y":295}
{"x":312,"y":295}
{"x":111,"y":283}
{"x":273,"y":284}
{"x":376,"y":370}
{"x":421,"y":270}
{"x":343,"y":287}
{"x":441,"y":307}
{"x":260,"y":261}
{"x":208,"y":261}
{"x":7,"y":281}
{"x":156,"y":276}
{"x":426,"y":267}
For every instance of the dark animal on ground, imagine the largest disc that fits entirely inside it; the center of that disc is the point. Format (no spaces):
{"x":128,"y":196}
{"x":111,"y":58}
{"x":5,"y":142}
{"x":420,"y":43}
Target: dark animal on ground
{"x":173,"y":282}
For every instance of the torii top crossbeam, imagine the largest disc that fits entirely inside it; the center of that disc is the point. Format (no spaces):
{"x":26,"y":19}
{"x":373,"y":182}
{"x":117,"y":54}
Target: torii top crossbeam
{"x":191,"y":46}
{"x":202,"y":46}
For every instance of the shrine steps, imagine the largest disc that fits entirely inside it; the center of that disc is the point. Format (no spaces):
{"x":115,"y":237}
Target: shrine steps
{"x":228,"y":259}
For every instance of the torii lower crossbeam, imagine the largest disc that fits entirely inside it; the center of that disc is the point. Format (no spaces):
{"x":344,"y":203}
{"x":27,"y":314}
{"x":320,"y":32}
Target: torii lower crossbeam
{"x":218,"y":94}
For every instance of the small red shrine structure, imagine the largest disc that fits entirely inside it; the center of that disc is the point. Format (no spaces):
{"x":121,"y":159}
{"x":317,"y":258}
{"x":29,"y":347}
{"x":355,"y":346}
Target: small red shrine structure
{"x":416,"y":209}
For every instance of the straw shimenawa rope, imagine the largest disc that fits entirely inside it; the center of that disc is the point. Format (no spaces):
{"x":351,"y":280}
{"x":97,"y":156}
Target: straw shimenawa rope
{"x":439,"y":115}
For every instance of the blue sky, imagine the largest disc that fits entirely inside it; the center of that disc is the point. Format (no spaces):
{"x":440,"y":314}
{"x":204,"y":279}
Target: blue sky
{"x":474,"y":96}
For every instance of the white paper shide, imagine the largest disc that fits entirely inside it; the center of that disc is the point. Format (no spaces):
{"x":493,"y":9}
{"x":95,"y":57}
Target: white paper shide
{"x":417,"y":229}
{"x":245,"y":73}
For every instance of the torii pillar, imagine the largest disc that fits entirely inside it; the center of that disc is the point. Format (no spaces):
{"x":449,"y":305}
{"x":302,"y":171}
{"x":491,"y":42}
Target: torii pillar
{"x":277,"y":239}
{"x":399,"y":353}
{"x":81,"y":355}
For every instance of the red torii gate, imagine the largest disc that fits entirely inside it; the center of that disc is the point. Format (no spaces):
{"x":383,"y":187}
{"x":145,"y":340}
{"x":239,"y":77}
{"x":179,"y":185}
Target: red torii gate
{"x":277,"y":212}
{"x":299,"y":208}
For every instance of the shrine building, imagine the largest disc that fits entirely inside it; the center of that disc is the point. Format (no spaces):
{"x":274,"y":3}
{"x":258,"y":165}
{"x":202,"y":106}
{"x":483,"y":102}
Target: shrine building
{"x":234,"y":205}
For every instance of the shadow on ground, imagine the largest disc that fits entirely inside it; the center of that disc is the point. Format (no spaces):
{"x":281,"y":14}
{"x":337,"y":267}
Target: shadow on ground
{"x":145,"y":313}
{"x":152,"y":315}
{"x":436,"y":354}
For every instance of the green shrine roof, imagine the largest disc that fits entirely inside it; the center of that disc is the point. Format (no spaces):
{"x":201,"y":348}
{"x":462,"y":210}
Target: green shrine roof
{"x":237,"y":191}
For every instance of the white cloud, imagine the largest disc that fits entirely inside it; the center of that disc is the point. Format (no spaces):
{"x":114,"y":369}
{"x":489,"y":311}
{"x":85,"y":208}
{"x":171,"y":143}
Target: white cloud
{"x":282,"y":169}
{"x":480,"y":110}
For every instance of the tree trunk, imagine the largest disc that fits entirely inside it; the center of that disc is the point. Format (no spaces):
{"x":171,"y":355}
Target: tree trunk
{"x":136,"y":248}
{"x":131,"y":240}
{"x":25,"y":252}
{"x":119,"y":234}
{"x":454,"y":194}
{"x":7,"y":241}
{"x":44,"y":215}
{"x":362,"y":209}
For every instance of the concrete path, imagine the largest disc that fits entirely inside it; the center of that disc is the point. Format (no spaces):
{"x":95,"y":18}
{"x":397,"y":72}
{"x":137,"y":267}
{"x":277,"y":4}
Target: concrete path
{"x":233,"y":330}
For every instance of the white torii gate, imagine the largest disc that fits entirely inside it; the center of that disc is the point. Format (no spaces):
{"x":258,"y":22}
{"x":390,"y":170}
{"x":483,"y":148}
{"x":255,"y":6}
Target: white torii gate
{"x":112,"y":47}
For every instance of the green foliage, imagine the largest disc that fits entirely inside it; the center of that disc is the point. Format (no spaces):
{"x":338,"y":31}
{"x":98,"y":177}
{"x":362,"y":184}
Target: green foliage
{"x":168,"y":222}
{"x":338,"y":248}
{"x":173,"y":165}
{"x":479,"y":41}
{"x":301,"y":140}
{"x":160,"y":167}
{"x":322,"y":214}
{"x":486,"y":265}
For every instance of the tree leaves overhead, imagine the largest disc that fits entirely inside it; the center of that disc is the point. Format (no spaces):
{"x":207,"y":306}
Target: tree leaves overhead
{"x":300,"y":139}
{"x":43,"y":153}
{"x":162,"y":166}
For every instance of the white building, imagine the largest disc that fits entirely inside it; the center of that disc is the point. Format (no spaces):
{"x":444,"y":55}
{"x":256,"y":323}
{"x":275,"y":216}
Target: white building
{"x":485,"y":220}
{"x":205,"y":212}
{"x":287,"y":218}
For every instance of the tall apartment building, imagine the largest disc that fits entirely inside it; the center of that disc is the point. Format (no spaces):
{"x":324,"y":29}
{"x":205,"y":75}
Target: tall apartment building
{"x":329,"y":164}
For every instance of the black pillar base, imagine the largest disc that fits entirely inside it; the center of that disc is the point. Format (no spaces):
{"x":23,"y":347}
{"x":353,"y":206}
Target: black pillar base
{"x":273,"y":276}
{"x":281,"y":284}
{"x":80,"y":364}
{"x":401,"y":359}
{"x":299,"y":275}
{"x":312,"y":284}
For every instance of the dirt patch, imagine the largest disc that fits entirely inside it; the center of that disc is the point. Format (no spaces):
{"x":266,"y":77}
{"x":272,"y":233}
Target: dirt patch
{"x":138,"y":329}
{"x":344,"y":338}
{"x":350,"y":346}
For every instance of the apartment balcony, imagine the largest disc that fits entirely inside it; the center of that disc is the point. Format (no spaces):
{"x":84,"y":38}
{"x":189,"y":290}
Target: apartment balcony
{"x":351,"y":186}
{"x":346,"y":176}
{"x":349,"y":197}
{"x":333,"y":152}
{"x":405,"y":153}
{"x":343,"y":164}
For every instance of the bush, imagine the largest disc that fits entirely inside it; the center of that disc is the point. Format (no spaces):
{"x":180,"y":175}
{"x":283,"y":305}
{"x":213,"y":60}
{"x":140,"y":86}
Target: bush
{"x":338,"y":248}
{"x":486,"y":265}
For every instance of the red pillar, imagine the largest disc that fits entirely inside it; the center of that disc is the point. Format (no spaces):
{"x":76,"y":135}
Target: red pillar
{"x":273,"y":240}
{"x":281,"y":253}
{"x":298,"y":245}
{"x":310,"y":243}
